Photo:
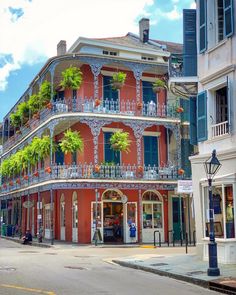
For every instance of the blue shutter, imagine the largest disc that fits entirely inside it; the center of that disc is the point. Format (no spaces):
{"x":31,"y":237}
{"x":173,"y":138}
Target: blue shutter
{"x":190,"y":43}
{"x":59,"y":156}
{"x":108,"y":92}
{"x":110,"y":154}
{"x":193,"y":120}
{"x":184,"y":103}
{"x":228,"y":18}
{"x":150,"y":150}
{"x":148,"y":93}
{"x":202,"y":25}
{"x":186,"y":151}
{"x":202,"y":116}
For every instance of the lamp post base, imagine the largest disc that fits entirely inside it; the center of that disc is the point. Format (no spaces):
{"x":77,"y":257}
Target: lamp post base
{"x":213,"y":269}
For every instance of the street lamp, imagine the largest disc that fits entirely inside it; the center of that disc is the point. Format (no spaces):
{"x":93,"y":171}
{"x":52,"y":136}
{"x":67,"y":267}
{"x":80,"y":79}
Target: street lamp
{"x":212,"y":166}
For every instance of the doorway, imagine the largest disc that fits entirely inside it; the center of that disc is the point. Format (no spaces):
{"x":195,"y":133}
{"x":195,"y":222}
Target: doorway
{"x":113,"y":222}
{"x":178,"y":218}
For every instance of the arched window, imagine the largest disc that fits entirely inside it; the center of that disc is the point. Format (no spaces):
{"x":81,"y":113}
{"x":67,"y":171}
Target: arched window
{"x":112,"y":195}
{"x":152,"y":210}
{"x":62,"y":209}
{"x":74,"y":210}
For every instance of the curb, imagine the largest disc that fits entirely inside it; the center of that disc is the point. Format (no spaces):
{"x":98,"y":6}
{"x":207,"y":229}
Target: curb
{"x":35,"y":244}
{"x":194,"y":281}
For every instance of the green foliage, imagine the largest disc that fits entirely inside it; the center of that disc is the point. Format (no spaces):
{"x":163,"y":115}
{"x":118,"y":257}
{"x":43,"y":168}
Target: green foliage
{"x":119,"y":77}
{"x":159,"y":83}
{"x":71,"y":142}
{"x":15,"y":119}
{"x":39,"y":149}
{"x":34,"y":103}
{"x":120,"y":141}
{"x":23,"y":111}
{"x":72,"y":78}
{"x":44,"y":93}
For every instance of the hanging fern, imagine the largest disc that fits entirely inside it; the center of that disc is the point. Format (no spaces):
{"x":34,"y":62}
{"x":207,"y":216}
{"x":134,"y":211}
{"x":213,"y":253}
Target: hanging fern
{"x":120,"y":141}
{"x":71,"y":142}
{"x":72,"y":78}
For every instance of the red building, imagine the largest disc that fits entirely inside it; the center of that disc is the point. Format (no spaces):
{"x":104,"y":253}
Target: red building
{"x":69,"y":195}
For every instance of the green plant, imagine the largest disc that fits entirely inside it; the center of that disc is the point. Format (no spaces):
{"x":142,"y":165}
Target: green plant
{"x":159,"y":83}
{"x":72,"y":78}
{"x":44,"y":147}
{"x":118,"y":80}
{"x":34,"y":104}
{"x":120,"y":141}
{"x":23,"y":111}
{"x":71,"y":142}
{"x":15,"y":119}
{"x":45,"y":93}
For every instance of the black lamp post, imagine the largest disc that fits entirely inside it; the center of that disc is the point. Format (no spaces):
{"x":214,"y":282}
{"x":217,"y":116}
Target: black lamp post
{"x":212,"y":166}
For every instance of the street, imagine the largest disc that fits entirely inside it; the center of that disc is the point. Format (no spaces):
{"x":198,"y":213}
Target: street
{"x":70,"y":269}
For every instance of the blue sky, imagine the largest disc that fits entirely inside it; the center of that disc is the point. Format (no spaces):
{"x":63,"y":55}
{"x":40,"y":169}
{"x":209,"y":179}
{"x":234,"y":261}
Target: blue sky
{"x":32,"y":29}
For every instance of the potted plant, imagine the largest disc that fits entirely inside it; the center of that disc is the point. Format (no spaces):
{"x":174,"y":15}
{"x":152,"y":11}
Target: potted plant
{"x":139,"y":105}
{"x":181,"y":171}
{"x":71,"y":142}
{"x":23,"y":111}
{"x":34,"y":105}
{"x":140,"y":169}
{"x":97,"y":102}
{"x":45,"y":93}
{"x":118,"y":80}
{"x":159,"y":85}
{"x":120,"y":141}
{"x":72,"y":78}
{"x":179,"y":110}
{"x":15,"y":119}
{"x":48,"y":170}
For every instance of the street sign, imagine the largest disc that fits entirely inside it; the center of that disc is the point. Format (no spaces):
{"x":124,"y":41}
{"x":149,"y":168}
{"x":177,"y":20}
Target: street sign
{"x":28,"y":204}
{"x":185,"y":187}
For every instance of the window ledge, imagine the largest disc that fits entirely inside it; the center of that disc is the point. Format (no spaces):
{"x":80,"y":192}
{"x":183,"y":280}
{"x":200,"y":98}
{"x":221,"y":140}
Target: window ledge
{"x":217,"y":138}
{"x":221,"y":43}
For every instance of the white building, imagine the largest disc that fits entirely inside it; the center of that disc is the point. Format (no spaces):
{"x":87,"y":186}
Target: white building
{"x":213,"y":124}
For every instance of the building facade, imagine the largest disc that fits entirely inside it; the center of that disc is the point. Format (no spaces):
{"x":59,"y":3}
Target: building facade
{"x":68,"y":196}
{"x":213,"y":127}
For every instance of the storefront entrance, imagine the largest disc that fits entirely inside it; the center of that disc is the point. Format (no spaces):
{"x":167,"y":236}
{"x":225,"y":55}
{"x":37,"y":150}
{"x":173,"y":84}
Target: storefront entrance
{"x":113,"y":222}
{"x":114,"y":218}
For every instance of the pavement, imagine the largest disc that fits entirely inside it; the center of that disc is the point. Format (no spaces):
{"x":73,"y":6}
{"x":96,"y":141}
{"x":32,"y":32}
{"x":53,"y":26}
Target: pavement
{"x":166,"y":261}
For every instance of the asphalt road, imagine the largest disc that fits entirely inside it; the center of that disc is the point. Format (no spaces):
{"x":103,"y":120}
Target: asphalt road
{"x":72,"y":270}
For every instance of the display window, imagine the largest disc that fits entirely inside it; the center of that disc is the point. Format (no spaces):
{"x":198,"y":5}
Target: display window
{"x":223,"y":210}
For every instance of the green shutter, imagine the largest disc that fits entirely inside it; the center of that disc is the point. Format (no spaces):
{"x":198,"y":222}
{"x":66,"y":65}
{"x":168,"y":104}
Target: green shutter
{"x":193,"y":120}
{"x":150,"y":150}
{"x":202,"y":25}
{"x":186,"y":151}
{"x":184,"y":103}
{"x":148,"y":93}
{"x":110,"y":154}
{"x":190,"y":43}
{"x":108,"y":92}
{"x":202,"y":116}
{"x":228,"y":18}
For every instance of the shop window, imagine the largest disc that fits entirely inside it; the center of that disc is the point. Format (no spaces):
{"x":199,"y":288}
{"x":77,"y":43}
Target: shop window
{"x":223,"y":207}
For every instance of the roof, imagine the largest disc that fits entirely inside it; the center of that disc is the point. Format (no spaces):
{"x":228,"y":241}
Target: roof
{"x":133,"y":40}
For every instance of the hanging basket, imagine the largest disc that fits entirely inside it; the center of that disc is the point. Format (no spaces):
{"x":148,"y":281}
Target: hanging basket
{"x":179,"y":110}
{"x":181,"y":171}
{"x":48,"y":170}
{"x":97,"y":168}
{"x":140,"y":169}
{"x":139,"y":106}
{"x":157,"y":89}
{"x":97,"y":102}
{"x":117,"y":85}
{"x":36,"y":174}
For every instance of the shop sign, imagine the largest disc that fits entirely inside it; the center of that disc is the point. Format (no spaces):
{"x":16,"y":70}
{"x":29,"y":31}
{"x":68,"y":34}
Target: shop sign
{"x":28,"y":204}
{"x":124,"y":199}
{"x":185,"y":187}
{"x":39,"y":205}
{"x":39,"y":216}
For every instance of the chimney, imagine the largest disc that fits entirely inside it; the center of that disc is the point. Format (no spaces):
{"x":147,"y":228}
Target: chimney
{"x":144,"y":30}
{"x":61,"y":47}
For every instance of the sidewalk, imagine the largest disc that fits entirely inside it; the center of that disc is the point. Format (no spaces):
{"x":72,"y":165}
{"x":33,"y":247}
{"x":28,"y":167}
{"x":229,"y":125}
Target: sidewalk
{"x":186,"y":267}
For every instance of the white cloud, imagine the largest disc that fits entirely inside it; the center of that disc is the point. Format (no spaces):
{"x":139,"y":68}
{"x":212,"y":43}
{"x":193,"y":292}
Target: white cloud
{"x":173,"y":14}
{"x":193,"y":5}
{"x":44,"y":23}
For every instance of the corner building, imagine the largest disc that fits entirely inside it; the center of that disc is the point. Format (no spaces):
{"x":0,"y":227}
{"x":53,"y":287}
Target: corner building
{"x":67,"y":203}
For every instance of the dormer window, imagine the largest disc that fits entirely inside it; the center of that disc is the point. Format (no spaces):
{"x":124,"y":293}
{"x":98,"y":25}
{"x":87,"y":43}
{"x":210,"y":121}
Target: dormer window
{"x":113,"y":53}
{"x":147,"y":58}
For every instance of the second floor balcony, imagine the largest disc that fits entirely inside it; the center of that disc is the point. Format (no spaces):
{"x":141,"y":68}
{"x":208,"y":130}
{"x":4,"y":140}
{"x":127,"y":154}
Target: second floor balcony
{"x":92,"y":172}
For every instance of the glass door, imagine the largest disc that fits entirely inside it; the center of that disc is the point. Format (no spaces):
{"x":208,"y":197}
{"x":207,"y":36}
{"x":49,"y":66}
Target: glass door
{"x":130,"y":215}
{"x":99,"y":220}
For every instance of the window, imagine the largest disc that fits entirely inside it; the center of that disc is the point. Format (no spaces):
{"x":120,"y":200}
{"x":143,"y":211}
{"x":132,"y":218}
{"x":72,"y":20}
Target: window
{"x":62,"y":205}
{"x":74,"y":158}
{"x":113,"y":53}
{"x":150,"y":150}
{"x":147,"y":58}
{"x":223,"y":207}
{"x":59,"y":156}
{"x":148,"y":94}
{"x":111,"y":156}
{"x":152,"y":211}
{"x":74,"y":210}
{"x":221,"y":105}
{"x":220,"y":19}
{"x":110,"y":95}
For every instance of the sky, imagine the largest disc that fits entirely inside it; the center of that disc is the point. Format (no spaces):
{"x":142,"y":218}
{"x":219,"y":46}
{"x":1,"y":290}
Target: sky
{"x":31,"y":29}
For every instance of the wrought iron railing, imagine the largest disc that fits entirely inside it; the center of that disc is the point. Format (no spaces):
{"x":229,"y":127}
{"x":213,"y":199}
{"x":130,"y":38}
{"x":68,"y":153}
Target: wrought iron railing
{"x":91,"y":171}
{"x":91,"y":105}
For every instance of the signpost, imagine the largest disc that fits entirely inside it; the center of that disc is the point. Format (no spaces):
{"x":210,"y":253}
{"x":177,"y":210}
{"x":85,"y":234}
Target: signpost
{"x":185,"y":187}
